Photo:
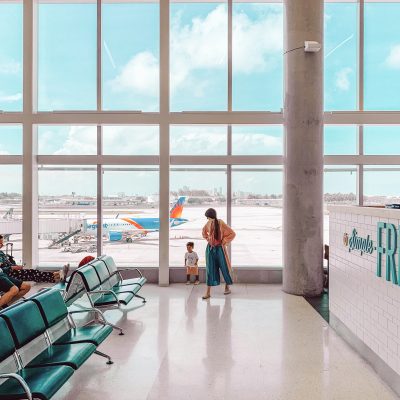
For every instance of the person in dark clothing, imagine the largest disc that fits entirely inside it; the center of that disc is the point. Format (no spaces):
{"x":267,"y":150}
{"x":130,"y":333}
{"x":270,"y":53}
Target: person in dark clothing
{"x":9,"y":267}
{"x":12,"y":289}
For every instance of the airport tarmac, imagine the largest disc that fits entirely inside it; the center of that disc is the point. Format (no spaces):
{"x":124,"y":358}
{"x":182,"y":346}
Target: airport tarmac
{"x":258,"y":242}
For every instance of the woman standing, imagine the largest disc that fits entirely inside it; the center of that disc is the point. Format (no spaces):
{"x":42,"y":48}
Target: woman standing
{"x":218,"y":234}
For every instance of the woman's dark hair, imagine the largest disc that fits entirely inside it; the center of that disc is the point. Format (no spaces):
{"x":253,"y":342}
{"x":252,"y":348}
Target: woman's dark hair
{"x":211,"y":213}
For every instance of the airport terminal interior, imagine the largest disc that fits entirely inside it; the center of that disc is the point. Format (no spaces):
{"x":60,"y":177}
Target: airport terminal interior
{"x":199,"y":199}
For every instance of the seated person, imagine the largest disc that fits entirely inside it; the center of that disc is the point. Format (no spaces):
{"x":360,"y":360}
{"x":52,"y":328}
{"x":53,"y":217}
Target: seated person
{"x":18,"y":272}
{"x":13,"y":289}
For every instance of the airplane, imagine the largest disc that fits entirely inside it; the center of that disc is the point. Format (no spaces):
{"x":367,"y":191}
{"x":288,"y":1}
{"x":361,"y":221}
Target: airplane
{"x":116,"y":227}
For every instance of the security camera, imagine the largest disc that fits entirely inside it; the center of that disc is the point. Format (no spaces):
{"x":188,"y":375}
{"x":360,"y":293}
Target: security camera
{"x":312,"y":47}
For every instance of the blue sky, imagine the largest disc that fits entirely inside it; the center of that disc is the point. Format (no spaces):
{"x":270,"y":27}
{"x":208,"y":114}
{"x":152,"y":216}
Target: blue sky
{"x":198,"y":64}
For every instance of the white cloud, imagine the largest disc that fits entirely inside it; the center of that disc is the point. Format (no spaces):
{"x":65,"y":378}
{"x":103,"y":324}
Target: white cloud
{"x":10,"y":98}
{"x":245,"y":143}
{"x":393,"y":59}
{"x":198,"y":140}
{"x":202,"y":45}
{"x":212,"y":140}
{"x":343,"y":79}
{"x":122,"y":140}
{"x":10,"y":67}
{"x":257,"y":43}
{"x":79,"y":140}
{"x":139,"y":75}
{"x":130,"y":140}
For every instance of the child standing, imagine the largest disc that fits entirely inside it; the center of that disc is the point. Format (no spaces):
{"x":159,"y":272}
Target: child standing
{"x":191,"y":260}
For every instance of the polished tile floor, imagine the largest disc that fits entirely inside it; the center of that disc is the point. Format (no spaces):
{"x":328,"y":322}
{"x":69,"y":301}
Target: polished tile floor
{"x":258,"y":343}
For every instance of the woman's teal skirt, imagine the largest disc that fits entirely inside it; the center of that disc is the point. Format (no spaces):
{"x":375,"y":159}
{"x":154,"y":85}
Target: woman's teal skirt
{"x":215,"y":261}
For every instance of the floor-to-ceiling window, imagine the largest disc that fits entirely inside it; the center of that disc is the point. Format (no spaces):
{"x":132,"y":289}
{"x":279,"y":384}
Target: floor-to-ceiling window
{"x":194,"y":89}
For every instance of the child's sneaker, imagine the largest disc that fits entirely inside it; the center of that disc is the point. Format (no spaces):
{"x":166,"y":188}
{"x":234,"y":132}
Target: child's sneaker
{"x":197,"y":282}
{"x":187,"y":282}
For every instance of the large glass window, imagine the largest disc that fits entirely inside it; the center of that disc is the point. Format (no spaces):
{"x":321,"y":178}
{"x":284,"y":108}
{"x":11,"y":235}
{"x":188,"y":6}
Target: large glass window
{"x":340,"y":187}
{"x":196,"y":195}
{"x":257,"y":59}
{"x":257,"y":216}
{"x":10,"y":140}
{"x":130,"y":140}
{"x":198,"y":140}
{"x":67,"y":56}
{"x":130,"y":56}
{"x":381,"y":185}
{"x":257,"y":140}
{"x":340,"y":140}
{"x":67,"y":209}
{"x":340,"y":53}
{"x":382,"y":56}
{"x":131,"y":215}
{"x":381,"y":140}
{"x":198,"y":56}
{"x":11,"y":209}
{"x":10,"y":56}
{"x":67,"y":140}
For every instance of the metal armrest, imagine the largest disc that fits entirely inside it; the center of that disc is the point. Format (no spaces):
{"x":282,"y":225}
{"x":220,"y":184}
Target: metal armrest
{"x":128,"y":269}
{"x":21,"y":381}
{"x":95,"y":310}
{"x":104,"y":291}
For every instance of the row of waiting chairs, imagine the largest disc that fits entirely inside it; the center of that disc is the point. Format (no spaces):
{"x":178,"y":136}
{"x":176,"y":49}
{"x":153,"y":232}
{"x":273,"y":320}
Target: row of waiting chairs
{"x":40,"y":344}
{"x":41,"y":347}
{"x":103,"y":283}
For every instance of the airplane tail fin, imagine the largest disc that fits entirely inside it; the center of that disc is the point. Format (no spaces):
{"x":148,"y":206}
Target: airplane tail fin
{"x":177,"y":209}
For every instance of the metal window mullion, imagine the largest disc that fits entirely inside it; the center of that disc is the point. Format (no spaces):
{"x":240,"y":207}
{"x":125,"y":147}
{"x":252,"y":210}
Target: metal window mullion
{"x":229,"y":186}
{"x":29,"y":167}
{"x":360,"y":141}
{"x":361,"y":37}
{"x":99,"y":57}
{"x":99,"y":194}
{"x":163,"y":273}
{"x":99,"y":173}
{"x":230,"y":69}
{"x":229,"y":131}
{"x":360,"y":167}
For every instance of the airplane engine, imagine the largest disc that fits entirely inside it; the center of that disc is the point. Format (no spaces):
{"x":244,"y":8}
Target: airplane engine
{"x":115,"y":236}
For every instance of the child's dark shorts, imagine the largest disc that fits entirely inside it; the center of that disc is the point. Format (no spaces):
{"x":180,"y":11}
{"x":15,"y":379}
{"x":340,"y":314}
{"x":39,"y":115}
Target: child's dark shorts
{"x":7,"y":282}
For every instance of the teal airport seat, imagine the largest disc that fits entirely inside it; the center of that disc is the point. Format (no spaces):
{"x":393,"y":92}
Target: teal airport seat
{"x":107,"y":281}
{"x":57,"y":320}
{"x":41,"y":346}
{"x":104,"y":285}
{"x":101,"y":293}
{"x":115,"y":274}
{"x":28,"y":330}
{"x":18,"y":382}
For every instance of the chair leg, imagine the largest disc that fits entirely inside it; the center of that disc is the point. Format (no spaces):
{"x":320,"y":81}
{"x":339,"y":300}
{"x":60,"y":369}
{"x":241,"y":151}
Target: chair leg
{"x":140,"y":297}
{"x":99,"y":353}
{"x":121,"y":332}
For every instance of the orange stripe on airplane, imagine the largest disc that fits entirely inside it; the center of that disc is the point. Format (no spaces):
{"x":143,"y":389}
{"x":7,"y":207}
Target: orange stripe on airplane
{"x":134,"y":223}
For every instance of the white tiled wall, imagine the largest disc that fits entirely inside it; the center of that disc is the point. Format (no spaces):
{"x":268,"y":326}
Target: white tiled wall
{"x":367,"y":304}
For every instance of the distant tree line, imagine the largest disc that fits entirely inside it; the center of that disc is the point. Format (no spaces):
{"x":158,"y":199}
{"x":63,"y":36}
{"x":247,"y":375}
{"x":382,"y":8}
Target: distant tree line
{"x":339,"y":197}
{"x":12,"y":195}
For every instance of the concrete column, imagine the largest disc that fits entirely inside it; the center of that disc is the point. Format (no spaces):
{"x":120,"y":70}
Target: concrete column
{"x":303,"y":116}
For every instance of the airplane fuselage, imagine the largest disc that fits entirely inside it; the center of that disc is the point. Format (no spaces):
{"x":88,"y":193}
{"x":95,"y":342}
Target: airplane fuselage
{"x":129,"y":225}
